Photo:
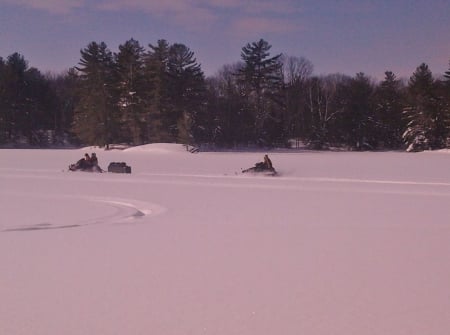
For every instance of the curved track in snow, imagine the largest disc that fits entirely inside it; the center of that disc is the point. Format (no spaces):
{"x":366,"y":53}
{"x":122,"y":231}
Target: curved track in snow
{"x":99,"y":210}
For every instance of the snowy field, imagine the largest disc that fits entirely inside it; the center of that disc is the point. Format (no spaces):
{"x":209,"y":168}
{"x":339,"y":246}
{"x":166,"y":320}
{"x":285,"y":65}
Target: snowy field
{"x":339,"y":243}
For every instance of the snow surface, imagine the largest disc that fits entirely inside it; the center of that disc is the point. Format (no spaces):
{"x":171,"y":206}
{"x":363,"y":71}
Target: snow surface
{"x":340,"y":243}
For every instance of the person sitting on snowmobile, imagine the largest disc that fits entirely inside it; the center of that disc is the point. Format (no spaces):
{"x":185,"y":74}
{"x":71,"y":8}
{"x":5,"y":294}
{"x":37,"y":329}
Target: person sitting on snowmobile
{"x":264,"y":166}
{"x":267,"y":162}
{"x":84,"y":164}
{"x":94,"y":163}
{"x":87,"y":161}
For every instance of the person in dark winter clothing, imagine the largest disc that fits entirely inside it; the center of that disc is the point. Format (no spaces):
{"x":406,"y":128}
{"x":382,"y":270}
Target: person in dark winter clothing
{"x":83,"y":163}
{"x":94,"y":163}
{"x":266,"y":164}
{"x":87,"y":163}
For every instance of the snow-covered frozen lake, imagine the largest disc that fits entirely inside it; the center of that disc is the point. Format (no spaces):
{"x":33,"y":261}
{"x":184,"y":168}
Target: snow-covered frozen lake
{"x":339,"y":243}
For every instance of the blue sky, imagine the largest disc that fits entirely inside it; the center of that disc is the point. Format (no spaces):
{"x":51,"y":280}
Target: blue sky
{"x":341,"y":36}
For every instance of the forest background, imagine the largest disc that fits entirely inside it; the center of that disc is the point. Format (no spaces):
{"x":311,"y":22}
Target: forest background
{"x":160,"y":94}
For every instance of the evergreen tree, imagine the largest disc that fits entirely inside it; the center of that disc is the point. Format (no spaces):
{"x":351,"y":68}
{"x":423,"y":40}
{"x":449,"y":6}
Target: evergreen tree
{"x":389,"y":102}
{"x":131,"y":90}
{"x":427,"y":121}
{"x":156,"y":72}
{"x":187,"y":94}
{"x":40,"y":110}
{"x":444,"y":88}
{"x":447,"y":75}
{"x":297,"y":72}
{"x":64,"y":87}
{"x":358,"y":116}
{"x":225,"y":108}
{"x":262,"y":77}
{"x":14,"y":95}
{"x":3,"y":104}
{"x":25,"y":101}
{"x":96,"y":118}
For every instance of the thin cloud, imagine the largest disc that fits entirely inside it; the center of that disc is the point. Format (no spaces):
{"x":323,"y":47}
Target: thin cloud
{"x":243,"y":16}
{"x":151,"y":6}
{"x":163,"y":7}
{"x":183,"y":13}
{"x":198,"y":15}
{"x":252,"y":6}
{"x":51,"y":6}
{"x":263,"y":25}
{"x":240,"y":17}
{"x":353,"y":6}
{"x":199,"y":20}
{"x":273,"y":8}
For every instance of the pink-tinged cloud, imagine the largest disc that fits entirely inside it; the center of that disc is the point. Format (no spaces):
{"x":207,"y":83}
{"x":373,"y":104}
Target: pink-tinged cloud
{"x":51,"y":6}
{"x":353,"y":7}
{"x":196,"y":15}
{"x":263,"y":25}
{"x":153,"y":6}
{"x":198,"y":20}
{"x":253,"y":6}
{"x":271,"y":8}
{"x":181,"y":12}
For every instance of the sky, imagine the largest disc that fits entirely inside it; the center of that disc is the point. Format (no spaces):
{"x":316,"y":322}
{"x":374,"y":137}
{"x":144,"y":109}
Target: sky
{"x":339,"y":36}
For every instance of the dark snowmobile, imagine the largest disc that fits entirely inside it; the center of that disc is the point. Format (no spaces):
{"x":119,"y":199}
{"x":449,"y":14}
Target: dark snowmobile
{"x":83,"y":165}
{"x":263,"y":168}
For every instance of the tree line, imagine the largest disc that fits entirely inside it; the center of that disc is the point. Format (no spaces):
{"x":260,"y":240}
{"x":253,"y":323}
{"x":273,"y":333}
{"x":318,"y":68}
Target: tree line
{"x":160,"y":94}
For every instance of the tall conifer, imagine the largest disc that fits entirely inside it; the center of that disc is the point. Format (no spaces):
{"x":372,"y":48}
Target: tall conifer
{"x":131,"y":90}
{"x":96,"y":118}
{"x":428,"y":124}
{"x":263,"y":79}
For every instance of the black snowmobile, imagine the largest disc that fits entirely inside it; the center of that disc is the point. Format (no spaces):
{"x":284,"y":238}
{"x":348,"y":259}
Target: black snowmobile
{"x":83,"y":165}
{"x":263,"y":168}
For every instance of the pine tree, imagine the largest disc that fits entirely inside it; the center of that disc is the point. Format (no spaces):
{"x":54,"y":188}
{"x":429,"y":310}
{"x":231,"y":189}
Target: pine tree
{"x":96,"y":118}
{"x":3,"y":104}
{"x":186,"y":92}
{"x":14,"y":96}
{"x":64,"y":87}
{"x":445,"y":95}
{"x":262,"y":77}
{"x":358,"y":113}
{"x":296,"y":73}
{"x":428,"y":123}
{"x":40,"y":110}
{"x":156,"y":72}
{"x":132,"y":90}
{"x":446,"y":88}
{"x":389,"y":107}
{"x":447,"y":75}
{"x":225,"y":108}
{"x":25,"y":101}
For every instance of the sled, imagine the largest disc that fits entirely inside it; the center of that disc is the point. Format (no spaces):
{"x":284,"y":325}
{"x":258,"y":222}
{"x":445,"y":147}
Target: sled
{"x":263,"y":171}
{"x":77,"y":167}
{"x":117,"y":167}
